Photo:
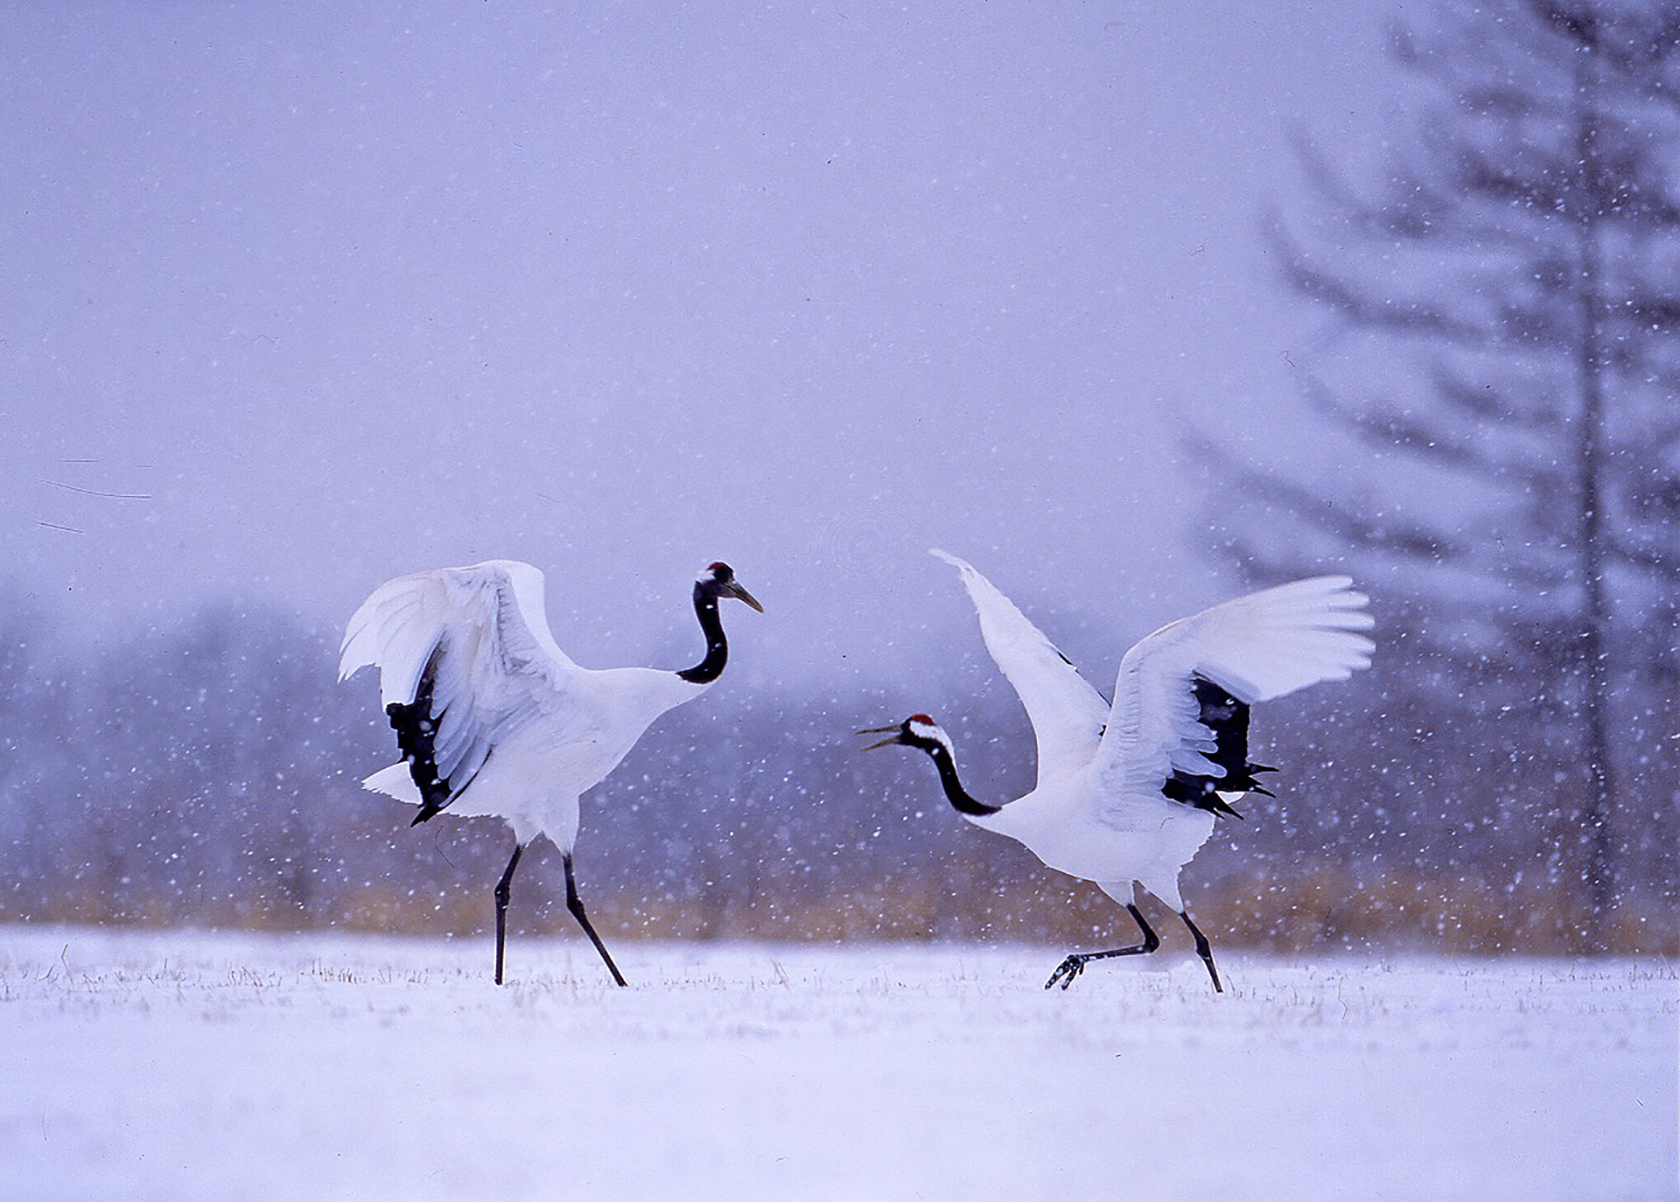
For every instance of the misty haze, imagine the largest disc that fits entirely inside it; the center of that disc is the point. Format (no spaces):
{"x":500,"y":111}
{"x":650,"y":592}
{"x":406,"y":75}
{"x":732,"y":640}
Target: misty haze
{"x":1138,"y":309}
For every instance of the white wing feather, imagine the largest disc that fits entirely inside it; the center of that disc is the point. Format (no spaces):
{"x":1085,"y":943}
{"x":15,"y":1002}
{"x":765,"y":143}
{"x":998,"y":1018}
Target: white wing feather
{"x":496,"y":664}
{"x":1067,"y":714}
{"x":1255,"y":647}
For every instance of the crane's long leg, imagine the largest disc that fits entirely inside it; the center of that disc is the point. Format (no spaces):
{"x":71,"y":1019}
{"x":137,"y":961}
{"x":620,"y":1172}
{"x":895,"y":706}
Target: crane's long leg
{"x":574,"y":903}
{"x":1203,"y":950}
{"x":1070,"y":968}
{"x":503,"y":887}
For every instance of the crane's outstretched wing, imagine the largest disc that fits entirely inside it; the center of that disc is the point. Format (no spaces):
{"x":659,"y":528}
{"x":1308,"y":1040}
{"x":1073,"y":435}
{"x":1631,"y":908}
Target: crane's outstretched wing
{"x":465,"y":658}
{"x":1168,"y":724}
{"x":1067,"y":714}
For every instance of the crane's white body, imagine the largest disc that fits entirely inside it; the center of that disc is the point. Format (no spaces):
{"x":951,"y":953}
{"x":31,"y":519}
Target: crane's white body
{"x":530,"y":729}
{"x":1145,"y":839}
{"x":1098,"y":811}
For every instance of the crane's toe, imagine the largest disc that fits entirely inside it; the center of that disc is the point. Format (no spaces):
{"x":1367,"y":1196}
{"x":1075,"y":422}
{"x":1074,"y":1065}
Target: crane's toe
{"x":1066,"y":971}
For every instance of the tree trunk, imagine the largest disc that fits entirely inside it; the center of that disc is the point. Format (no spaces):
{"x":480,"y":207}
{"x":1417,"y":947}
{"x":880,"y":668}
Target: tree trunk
{"x":1599,"y":874}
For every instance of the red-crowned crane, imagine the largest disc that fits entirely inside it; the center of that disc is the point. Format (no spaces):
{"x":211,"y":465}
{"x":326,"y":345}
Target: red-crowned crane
{"x":492,"y":717}
{"x":1127,"y":793}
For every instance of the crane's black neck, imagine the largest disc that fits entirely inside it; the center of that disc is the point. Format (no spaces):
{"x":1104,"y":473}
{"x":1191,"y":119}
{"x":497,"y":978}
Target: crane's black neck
{"x":954,"y":792}
{"x":717,"y":647}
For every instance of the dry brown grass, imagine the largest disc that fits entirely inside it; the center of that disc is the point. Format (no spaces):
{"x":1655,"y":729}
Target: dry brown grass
{"x":1318,"y":907}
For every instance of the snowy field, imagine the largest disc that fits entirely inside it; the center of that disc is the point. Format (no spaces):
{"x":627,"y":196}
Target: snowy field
{"x":186,"y":1065}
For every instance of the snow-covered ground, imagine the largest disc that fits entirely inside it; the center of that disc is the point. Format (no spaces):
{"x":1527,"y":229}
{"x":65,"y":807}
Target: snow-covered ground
{"x":174,"y":1064}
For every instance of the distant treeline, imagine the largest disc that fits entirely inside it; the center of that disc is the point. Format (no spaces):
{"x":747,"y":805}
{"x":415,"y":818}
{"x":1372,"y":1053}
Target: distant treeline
{"x":207,"y":775}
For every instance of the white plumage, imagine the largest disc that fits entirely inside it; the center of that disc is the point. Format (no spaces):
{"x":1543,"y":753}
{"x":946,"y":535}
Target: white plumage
{"x":1127,"y":793}
{"x":493,"y":718}
{"x":1067,"y":714}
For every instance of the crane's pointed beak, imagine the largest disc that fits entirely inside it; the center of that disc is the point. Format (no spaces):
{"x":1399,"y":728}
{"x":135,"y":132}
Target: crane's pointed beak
{"x":733,"y":589}
{"x":881,"y":730}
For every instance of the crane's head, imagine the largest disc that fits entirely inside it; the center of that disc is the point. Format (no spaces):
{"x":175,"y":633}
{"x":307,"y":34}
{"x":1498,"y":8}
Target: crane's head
{"x":718,"y":579}
{"x":918,"y":731}
{"x":923,"y":733}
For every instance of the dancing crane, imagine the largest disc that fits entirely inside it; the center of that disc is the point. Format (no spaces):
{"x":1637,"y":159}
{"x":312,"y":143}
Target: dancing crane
{"x":1127,"y":793}
{"x":491,"y":716}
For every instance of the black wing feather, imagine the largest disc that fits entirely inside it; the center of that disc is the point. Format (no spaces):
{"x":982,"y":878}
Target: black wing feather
{"x":1227,"y":719}
{"x":416,"y":728}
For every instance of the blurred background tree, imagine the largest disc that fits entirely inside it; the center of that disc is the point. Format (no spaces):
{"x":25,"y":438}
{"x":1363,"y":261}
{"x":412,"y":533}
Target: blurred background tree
{"x":1503,"y":296}
{"x":207,"y":776}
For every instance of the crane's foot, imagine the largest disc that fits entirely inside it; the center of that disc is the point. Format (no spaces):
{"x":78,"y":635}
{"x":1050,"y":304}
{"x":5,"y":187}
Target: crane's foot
{"x":1067,"y":971}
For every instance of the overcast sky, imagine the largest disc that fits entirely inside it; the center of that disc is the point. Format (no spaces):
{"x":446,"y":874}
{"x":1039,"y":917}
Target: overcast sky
{"x":340,"y":292}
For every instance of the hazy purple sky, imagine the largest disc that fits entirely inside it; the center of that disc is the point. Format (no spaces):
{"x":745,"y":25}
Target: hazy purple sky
{"x":347,"y":291}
